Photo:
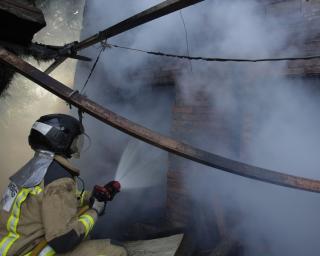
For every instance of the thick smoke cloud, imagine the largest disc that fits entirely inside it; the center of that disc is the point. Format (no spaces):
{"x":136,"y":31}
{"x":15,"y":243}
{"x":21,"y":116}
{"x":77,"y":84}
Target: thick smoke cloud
{"x":284,"y":122}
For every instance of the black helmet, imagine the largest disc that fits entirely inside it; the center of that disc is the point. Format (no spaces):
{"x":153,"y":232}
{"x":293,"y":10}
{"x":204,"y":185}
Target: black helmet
{"x":55,"y":133}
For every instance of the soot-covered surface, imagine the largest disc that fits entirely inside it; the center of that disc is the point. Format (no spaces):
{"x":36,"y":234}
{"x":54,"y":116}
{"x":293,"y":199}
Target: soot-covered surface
{"x":6,"y":75}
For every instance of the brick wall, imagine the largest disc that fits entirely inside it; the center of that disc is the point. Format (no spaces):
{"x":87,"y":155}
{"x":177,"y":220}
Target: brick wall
{"x":193,"y":123}
{"x":301,"y":18}
{"x":200,"y":117}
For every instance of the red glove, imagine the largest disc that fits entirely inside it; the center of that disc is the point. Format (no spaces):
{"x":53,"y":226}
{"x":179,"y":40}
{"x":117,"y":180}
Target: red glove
{"x":113,"y":188}
{"x":107,"y":192}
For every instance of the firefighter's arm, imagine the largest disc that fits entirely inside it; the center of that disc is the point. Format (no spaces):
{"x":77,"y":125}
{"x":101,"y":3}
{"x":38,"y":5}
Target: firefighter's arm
{"x":64,"y":230}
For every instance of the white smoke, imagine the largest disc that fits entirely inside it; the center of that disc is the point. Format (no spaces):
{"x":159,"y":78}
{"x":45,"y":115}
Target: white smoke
{"x":284,"y":121}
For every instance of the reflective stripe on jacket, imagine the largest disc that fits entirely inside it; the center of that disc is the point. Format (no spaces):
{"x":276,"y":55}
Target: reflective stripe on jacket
{"x":13,"y":218}
{"x":47,"y":251}
{"x":48,"y":211}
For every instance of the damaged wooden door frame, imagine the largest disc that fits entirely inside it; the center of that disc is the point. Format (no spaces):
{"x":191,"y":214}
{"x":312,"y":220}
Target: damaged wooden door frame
{"x":156,"y":139}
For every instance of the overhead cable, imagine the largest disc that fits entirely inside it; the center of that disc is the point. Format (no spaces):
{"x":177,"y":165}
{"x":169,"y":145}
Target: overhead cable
{"x":214,"y":59}
{"x":186,"y":36}
{"x":156,"y":139}
{"x":104,"y":45}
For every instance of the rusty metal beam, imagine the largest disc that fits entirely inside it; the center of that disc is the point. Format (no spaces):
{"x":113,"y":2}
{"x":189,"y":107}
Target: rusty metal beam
{"x":155,"y":12}
{"x":141,"y":18}
{"x":55,"y":64}
{"x":151,"y":137}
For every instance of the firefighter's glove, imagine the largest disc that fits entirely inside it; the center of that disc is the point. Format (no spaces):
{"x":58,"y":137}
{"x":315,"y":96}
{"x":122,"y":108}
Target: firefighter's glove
{"x":99,"y":207}
{"x":98,"y":199}
{"x":113,"y":188}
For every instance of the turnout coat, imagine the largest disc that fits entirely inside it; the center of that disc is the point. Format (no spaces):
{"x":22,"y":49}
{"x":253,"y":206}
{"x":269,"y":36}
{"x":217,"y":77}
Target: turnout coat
{"x":42,"y":202}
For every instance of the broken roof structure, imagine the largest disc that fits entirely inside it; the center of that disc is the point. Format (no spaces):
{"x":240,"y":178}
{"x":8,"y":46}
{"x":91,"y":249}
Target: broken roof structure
{"x":103,"y":114}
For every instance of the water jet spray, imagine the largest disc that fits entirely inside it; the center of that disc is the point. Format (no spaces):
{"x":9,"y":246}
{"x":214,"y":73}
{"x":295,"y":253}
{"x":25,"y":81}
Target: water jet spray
{"x":139,"y":166}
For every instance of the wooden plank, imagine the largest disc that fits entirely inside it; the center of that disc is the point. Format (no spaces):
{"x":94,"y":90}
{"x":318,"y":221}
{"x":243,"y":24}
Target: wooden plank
{"x":157,"y":247}
{"x":156,"y":139}
{"x":155,"y":12}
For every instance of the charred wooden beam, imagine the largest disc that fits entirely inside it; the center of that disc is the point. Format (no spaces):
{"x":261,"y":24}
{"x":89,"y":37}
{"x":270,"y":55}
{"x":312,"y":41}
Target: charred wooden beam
{"x":155,"y":12}
{"x":58,"y":61}
{"x":151,"y":137}
{"x":36,"y":50}
{"x":6,"y":75}
{"x":150,"y":14}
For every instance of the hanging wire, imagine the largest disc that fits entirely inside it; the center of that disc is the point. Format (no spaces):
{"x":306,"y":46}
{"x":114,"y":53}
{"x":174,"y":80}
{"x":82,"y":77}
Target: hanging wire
{"x":104,"y":45}
{"x":187,"y":39}
{"x":214,"y":59}
{"x":90,"y":142}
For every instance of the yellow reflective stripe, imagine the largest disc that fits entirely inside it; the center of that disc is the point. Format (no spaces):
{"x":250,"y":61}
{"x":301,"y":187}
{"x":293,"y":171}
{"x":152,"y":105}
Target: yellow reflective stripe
{"x":6,"y":243}
{"x":36,"y":191}
{"x":82,"y":200}
{"x":47,"y":251}
{"x":88,"y":223}
{"x":80,"y":197}
{"x":12,"y":223}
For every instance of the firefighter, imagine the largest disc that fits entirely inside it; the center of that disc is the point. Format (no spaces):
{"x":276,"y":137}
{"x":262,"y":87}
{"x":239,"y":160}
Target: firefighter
{"x":41,"y":204}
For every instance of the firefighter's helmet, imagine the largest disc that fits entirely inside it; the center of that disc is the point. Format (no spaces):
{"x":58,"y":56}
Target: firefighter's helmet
{"x":57,"y":133}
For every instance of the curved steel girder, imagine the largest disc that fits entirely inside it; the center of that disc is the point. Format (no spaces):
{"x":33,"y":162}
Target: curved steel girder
{"x":151,"y":137}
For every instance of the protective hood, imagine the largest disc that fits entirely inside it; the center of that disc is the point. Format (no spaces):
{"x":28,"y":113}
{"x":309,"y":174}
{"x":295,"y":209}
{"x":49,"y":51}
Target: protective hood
{"x":65,"y":163}
{"x":77,"y":145}
{"x":34,"y":171}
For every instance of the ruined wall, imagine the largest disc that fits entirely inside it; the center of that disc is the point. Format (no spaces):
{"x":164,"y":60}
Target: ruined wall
{"x":301,"y":18}
{"x":232,"y":135}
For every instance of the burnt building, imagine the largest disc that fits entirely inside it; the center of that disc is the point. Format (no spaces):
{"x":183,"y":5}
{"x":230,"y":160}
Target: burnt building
{"x":193,"y":202}
{"x":190,"y":200}
{"x":231,"y":133}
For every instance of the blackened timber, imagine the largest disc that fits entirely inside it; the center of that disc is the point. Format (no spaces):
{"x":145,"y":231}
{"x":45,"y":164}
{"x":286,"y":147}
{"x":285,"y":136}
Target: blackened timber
{"x":141,"y":18}
{"x":55,"y":64}
{"x":184,"y":150}
{"x":150,"y":14}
